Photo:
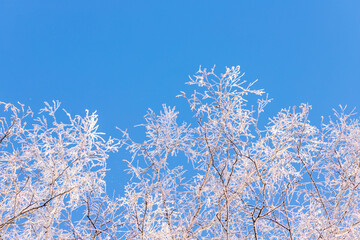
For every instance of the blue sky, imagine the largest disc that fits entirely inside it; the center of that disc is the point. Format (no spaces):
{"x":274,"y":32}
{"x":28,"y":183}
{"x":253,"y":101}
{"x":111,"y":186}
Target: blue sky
{"x":122,"y":57}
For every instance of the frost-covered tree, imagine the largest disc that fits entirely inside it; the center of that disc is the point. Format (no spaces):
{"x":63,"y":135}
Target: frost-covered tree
{"x":52,"y":177}
{"x":286,"y":179}
{"x":223,"y":175}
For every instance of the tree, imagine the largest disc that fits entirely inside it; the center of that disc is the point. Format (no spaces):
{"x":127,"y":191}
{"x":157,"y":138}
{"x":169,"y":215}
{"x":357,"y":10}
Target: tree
{"x":285,"y":180}
{"x":223,"y":175}
{"x":52,"y":177}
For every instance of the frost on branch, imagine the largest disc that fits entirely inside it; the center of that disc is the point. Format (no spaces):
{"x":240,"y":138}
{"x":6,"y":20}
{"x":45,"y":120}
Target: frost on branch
{"x":224,"y":176}
{"x":52,"y":176}
{"x":287,"y":179}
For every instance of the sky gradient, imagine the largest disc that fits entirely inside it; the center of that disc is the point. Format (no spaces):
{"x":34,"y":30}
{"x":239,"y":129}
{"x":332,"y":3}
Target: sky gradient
{"x":123,"y":57}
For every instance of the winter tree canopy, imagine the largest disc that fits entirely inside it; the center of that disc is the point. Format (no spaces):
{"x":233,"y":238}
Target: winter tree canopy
{"x":227,"y":173}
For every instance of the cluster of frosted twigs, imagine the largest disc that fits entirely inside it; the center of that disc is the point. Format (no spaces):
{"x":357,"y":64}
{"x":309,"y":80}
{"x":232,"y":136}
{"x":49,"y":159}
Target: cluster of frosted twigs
{"x":222,"y":175}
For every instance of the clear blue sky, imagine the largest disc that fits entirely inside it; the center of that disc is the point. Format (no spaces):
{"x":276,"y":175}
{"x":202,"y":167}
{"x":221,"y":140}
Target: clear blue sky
{"x":121,"y":57}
